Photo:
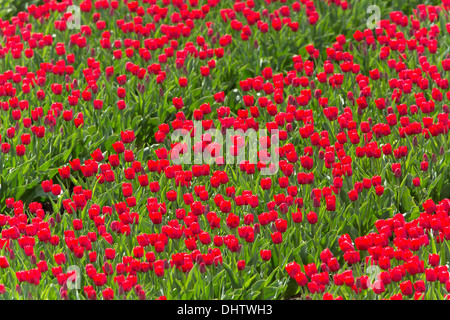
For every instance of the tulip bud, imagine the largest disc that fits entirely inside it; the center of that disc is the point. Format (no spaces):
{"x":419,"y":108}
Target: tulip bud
{"x":317,"y":94}
{"x":52,"y":222}
{"x":33,"y":259}
{"x":58,"y":218}
{"x":137,"y":289}
{"x":18,"y":289}
{"x":12,"y":256}
{"x":202,"y":267}
{"x":255,"y":44}
{"x":199,"y":259}
{"x":433,"y":158}
{"x":415,"y":143}
{"x":256,"y":228}
{"x":273,"y":227}
{"x":441,"y":151}
{"x":291,"y":99}
{"x":121,"y":291}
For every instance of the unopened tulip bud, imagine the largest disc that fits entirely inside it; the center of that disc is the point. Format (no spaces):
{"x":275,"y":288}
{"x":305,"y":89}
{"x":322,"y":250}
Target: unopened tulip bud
{"x":18,"y":289}
{"x":121,"y":291}
{"x":441,"y":151}
{"x":202,"y":267}
{"x":199,"y":259}
{"x":274,"y":228}
{"x":137,"y":289}
{"x":415,"y":143}
{"x":58,"y":218}
{"x":316,"y":202}
{"x":52,"y":222}
{"x":433,"y":158}
{"x":255,"y":44}
{"x":291,"y":99}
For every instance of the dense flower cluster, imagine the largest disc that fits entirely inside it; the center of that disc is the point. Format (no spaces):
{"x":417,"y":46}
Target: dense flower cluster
{"x":101,"y":193}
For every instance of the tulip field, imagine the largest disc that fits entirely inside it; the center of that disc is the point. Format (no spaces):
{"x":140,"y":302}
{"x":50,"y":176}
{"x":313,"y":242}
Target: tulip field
{"x":222,"y":149}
